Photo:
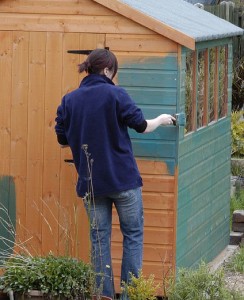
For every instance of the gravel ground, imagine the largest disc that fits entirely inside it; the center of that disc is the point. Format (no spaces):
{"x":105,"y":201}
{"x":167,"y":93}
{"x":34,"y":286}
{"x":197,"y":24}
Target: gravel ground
{"x":235,"y":281}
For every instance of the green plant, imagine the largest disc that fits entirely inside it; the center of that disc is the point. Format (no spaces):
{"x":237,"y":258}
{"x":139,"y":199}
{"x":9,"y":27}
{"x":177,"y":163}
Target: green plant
{"x":53,"y":275}
{"x":237,"y":263}
{"x":140,"y":288}
{"x":236,"y":203}
{"x":237,"y":133}
{"x":200,"y":284}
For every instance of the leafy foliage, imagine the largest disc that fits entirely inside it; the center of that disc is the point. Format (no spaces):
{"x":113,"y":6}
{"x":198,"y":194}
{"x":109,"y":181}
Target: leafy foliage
{"x":200,"y":284}
{"x":237,"y":133}
{"x":141,"y":288}
{"x":54,"y":276}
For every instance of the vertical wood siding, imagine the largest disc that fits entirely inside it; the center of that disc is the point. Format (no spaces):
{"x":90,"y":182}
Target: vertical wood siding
{"x":39,"y":70}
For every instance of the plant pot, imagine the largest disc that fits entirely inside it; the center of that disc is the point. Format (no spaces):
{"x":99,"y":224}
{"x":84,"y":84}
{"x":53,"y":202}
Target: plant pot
{"x":3,"y":296}
{"x":95,"y":297}
{"x":33,"y":295}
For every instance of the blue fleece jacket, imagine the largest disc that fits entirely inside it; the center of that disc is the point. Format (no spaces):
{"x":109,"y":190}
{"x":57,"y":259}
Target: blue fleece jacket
{"x":97,"y":114}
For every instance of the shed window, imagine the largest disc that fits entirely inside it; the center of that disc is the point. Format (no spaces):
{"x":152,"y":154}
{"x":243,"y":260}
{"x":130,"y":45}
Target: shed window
{"x":206,"y":87}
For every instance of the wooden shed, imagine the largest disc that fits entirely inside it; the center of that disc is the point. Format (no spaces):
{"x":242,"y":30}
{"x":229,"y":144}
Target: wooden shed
{"x":174,"y":58}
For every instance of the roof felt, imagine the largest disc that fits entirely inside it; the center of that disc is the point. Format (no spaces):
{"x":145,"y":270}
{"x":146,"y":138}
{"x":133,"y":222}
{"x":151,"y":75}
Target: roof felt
{"x":178,"y":15}
{"x":186,"y":18}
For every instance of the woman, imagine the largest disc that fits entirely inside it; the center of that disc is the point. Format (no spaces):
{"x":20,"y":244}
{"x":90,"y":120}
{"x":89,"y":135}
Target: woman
{"x":93,"y":121}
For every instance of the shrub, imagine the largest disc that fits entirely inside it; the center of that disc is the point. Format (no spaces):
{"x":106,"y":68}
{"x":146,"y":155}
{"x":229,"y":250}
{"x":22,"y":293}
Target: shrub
{"x":237,"y":133}
{"x":140,"y":288}
{"x":53,"y":275}
{"x":200,"y":284}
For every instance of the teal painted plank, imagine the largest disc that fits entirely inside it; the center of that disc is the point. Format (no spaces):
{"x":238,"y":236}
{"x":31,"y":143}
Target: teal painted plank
{"x":203,"y":239}
{"x":153,"y":111}
{"x":205,"y":167}
{"x":211,"y":148}
{"x":193,"y":205}
{"x":207,"y":217}
{"x":168,"y":62}
{"x":201,"y":184}
{"x":157,"y":96}
{"x":149,"y":78}
{"x":154,"y":149}
{"x":7,"y":215}
{"x":202,"y":250}
{"x":162,"y":133}
{"x":199,"y":138}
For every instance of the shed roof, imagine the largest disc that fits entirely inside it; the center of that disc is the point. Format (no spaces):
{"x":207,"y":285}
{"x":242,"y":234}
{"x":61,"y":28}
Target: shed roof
{"x":178,"y":20}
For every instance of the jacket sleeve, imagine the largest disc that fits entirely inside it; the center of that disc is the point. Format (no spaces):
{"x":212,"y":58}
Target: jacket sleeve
{"x":59,"y":127}
{"x":130,"y":114}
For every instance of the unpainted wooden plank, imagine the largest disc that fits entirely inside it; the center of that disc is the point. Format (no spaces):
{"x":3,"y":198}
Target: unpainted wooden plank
{"x":68,"y":206}
{"x":70,"y":7}
{"x":19,"y":102}
{"x":151,"y":167}
{"x":149,"y":22}
{"x":37,"y":57}
{"x":51,"y":151}
{"x":164,"y":183}
{"x":6,"y":53}
{"x":91,"y":41}
{"x":74,"y":228}
{"x":69,"y":23}
{"x":138,"y":43}
{"x":160,"y":201}
{"x":156,"y":268}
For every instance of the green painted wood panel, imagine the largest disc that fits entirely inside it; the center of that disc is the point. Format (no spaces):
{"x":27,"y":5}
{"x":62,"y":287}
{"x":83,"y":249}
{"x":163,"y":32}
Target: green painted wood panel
{"x":152,"y":84}
{"x":7,"y":215}
{"x":149,"y":78}
{"x":166,"y":62}
{"x":203,"y":194}
{"x":153,"y":95}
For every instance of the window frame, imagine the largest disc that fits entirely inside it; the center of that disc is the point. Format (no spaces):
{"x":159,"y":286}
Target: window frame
{"x":206,"y":47}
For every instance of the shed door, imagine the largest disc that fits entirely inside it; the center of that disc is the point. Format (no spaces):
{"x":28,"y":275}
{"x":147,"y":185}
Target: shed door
{"x":38,"y":71}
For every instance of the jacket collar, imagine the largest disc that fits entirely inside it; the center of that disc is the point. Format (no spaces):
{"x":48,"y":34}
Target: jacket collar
{"x":94,"y":79}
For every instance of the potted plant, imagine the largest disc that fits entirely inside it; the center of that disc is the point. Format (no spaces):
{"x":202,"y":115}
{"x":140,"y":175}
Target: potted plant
{"x":3,"y":294}
{"x":50,"y":277}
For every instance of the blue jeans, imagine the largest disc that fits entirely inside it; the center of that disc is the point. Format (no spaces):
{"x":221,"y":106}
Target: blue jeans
{"x":130,"y":211}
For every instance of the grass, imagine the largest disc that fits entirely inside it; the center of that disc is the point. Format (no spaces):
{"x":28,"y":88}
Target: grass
{"x":236,"y":203}
{"x":201,"y":284}
{"x":237,"y":263}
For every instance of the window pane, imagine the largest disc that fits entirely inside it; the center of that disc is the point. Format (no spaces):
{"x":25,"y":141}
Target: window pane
{"x":222,"y":81}
{"x":189,"y":91}
{"x":212,"y":80}
{"x":200,"y":88}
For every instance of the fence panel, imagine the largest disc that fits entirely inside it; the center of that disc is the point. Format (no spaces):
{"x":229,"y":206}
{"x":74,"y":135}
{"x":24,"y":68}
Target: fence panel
{"x":235,"y":15}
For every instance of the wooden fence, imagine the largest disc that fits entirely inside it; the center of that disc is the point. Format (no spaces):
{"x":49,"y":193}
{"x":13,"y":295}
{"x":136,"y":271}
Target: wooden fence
{"x":230,"y":12}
